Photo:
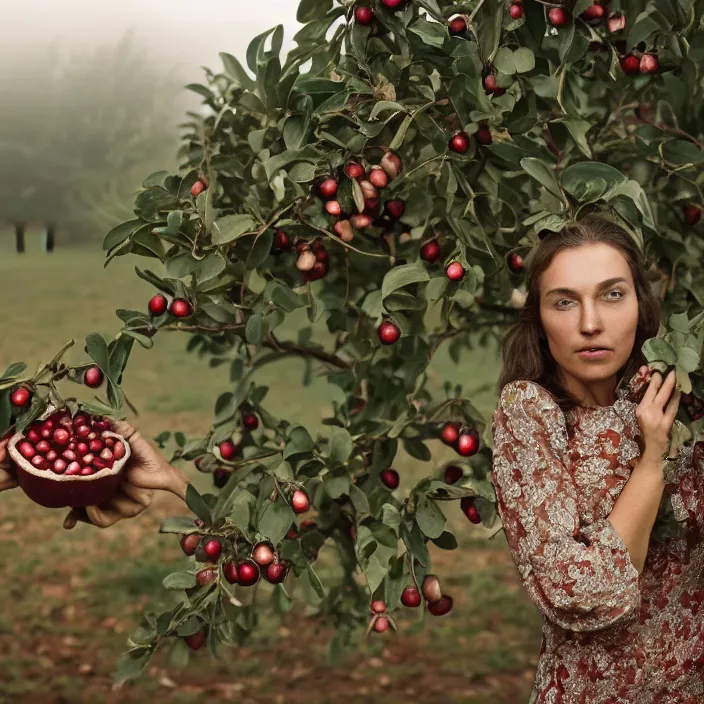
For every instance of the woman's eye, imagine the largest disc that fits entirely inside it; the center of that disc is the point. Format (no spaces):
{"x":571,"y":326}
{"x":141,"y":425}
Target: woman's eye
{"x":618,"y":292}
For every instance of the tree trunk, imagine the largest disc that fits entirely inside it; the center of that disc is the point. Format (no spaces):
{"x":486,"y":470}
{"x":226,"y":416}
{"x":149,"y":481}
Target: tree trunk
{"x":19,"y":237}
{"x":50,"y":237}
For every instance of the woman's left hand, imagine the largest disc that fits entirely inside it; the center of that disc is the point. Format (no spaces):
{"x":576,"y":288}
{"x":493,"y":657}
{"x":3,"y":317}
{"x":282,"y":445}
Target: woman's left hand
{"x":146,"y":471}
{"x":7,"y":479}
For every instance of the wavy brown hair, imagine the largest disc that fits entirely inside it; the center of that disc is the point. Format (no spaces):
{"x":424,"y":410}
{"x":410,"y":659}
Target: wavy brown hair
{"x":524,"y":351}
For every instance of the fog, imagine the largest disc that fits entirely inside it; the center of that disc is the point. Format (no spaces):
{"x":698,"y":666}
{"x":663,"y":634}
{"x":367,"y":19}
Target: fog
{"x":185,"y":34}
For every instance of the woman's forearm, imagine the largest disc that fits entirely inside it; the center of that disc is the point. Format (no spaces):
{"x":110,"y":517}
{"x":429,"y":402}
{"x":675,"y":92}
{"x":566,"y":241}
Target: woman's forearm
{"x":636,"y":508}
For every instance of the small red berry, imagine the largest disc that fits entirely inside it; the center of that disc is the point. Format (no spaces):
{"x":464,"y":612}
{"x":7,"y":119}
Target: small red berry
{"x":395,"y":208}
{"x":250,"y":421}
{"x":21,"y":397}
{"x":489,"y":83}
{"x":158,"y":304}
{"x":558,"y":17}
{"x":692,"y":214}
{"x":441,"y":607}
{"x":248,"y":573}
{"x":430,"y":252}
{"x":190,"y":543}
{"x":282,"y":242}
{"x":263,"y":554}
{"x":381,"y":625}
{"x":328,"y":188}
{"x":378,"y":606}
{"x":450,"y":433}
{"x":516,"y":11}
{"x":299,"y":501}
{"x":213,"y":549}
{"x":333,"y":208}
{"x":483,"y":136}
{"x":364,"y":16}
{"x":93,"y":377}
{"x":206,"y":576}
{"x":392,"y":4}
{"x":378,"y":177}
{"x":458,"y":26}
{"x":354,"y":170}
{"x":453,"y":474}
{"x":276,"y":572}
{"x":459,"y":143}
{"x":388,"y":333}
{"x":390,"y":478}
{"x":649,"y":63}
{"x":197,"y":188}
{"x":469,"y":509}
{"x":515,"y":263}
{"x":594,"y":12}
{"x":630,"y":64}
{"x":411,"y":597}
{"x":455,"y":271}
{"x":468,"y":443}
{"x":195,"y":641}
{"x":228,"y":450}
{"x":181,"y":308}
{"x":229,"y":569}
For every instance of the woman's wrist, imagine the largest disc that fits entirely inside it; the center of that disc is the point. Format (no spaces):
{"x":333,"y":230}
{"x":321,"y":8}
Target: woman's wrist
{"x":179,"y":482}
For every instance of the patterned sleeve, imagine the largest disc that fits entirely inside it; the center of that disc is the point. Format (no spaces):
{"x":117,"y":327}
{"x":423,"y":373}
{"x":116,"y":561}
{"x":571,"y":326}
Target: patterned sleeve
{"x":685,"y":484}
{"x":580,"y":577}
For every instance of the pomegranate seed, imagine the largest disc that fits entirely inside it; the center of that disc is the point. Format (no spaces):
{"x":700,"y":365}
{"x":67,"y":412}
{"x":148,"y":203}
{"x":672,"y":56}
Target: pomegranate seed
{"x":109,"y":442}
{"x":72,"y":469}
{"x":46,"y":433}
{"x":92,"y":435}
{"x":69,"y":455}
{"x":106,"y":454}
{"x":33,"y":435}
{"x":43,"y":447}
{"x":72,"y":446}
{"x":82,"y":448}
{"x":27,"y":450}
{"x":61,"y":436}
{"x":39,"y":462}
{"x":87,"y":459}
{"x":51,"y":455}
{"x":86,"y":472}
{"x":99,"y":464}
{"x":95,"y":445}
{"x":82,"y":432}
{"x":79,"y":420}
{"x":118,"y":451}
{"x":59,"y":466}
{"x":48,"y":424}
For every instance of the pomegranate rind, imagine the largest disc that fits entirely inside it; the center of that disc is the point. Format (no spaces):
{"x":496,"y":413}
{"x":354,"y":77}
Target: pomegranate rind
{"x":60,"y":491}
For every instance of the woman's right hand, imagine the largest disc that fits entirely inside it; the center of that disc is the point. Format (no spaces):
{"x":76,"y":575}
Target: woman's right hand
{"x":7,"y":479}
{"x":656,"y":416}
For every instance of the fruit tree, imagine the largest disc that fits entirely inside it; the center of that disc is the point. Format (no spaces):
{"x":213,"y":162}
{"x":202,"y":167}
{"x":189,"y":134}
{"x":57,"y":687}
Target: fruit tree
{"x":395,"y":191}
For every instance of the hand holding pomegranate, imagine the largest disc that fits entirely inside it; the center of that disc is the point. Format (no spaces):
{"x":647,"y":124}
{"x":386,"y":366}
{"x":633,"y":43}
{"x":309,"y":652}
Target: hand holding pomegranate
{"x":656,"y":415}
{"x":7,"y":480}
{"x":146,"y":471}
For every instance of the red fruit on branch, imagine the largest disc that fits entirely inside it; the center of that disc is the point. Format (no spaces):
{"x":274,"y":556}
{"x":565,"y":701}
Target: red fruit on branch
{"x":381,"y":625}
{"x":306,"y":260}
{"x":378,"y":606}
{"x":248,"y":573}
{"x":343,"y":229}
{"x":489,"y":83}
{"x":594,"y":12}
{"x":388,"y":333}
{"x":468,"y":443}
{"x":395,"y":208}
{"x":368,"y":190}
{"x":457,"y":26}
{"x":263,"y":554}
{"x":195,"y":641}
{"x":308,"y":524}
{"x":282,"y":242}
{"x":390,"y":478}
{"x":221,"y":476}
{"x":649,"y":63}
{"x":250,"y":421}
{"x":483,"y":136}
{"x":630,"y":64}
{"x":515,"y":263}
{"x":197,"y":188}
{"x":181,"y":308}
{"x":469,"y":509}
{"x":516,"y":11}
{"x":452,"y":474}
{"x":319,"y":270}
{"x":392,"y":164}
{"x":354,"y":170}
{"x":378,"y":177}
{"x":360,"y":221}
{"x":692,"y":215}
{"x":410,"y":597}
{"x":450,"y":433}
{"x":363,"y":15}
{"x":333,"y":208}
{"x":158,"y":304}
{"x":229,"y":569}
{"x":93,"y":377}
{"x":431,"y":588}
{"x":459,"y":143}
{"x":276,"y":572}
{"x":21,"y":396}
{"x":190,"y":543}
{"x":299,"y":501}
{"x":455,"y":271}
{"x":430,"y":252}
{"x":616,"y":22}
{"x":328,"y":188}
{"x":558,"y":17}
{"x":213,"y":549}
{"x":392,"y":4}
{"x":206,"y":576}
{"x":441,"y":607}
{"x":228,"y":450}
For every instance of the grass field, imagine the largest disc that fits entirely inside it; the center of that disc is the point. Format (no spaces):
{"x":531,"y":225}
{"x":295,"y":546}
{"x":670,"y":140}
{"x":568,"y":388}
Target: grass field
{"x":70,"y":599}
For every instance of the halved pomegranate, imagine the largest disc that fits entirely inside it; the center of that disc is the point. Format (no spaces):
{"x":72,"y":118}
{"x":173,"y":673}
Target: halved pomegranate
{"x":59,"y":482}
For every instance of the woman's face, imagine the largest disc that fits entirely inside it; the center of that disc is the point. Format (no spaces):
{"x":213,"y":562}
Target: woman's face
{"x":588,"y":299}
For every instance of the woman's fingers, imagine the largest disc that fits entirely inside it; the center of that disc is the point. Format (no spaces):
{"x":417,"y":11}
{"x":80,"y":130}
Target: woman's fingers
{"x":668,"y":383}
{"x":128,"y":503}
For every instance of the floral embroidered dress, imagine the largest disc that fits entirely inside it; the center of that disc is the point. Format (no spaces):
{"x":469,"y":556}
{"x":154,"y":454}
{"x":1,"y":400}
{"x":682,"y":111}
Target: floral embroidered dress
{"x":610,"y":635}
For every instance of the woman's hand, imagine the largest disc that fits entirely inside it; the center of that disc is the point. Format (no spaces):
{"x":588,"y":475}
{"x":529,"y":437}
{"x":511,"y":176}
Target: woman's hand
{"x":656,"y":416}
{"x":7,"y":479}
{"x":146,"y":471}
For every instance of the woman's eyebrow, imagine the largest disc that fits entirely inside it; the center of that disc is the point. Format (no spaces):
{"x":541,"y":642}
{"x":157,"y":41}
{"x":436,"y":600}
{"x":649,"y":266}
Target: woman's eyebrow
{"x":600,"y":287}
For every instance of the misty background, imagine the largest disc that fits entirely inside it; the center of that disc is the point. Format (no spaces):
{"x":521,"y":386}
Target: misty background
{"x":92,"y":93}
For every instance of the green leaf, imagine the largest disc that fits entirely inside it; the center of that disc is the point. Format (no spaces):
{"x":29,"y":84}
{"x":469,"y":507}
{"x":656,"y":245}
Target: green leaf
{"x":337,"y":483}
{"x":179,"y":580}
{"x":430,"y":518}
{"x":688,"y":360}
{"x":209,"y":267}
{"x":524,"y":59}
{"x":131,"y":664}
{"x":121,"y":233}
{"x":431,"y":33}
{"x":578,"y":129}
{"x":359,"y":499}
{"x":538,"y":170}
{"x":309,"y":10}
{"x":97,"y":350}
{"x":375,"y":573}
{"x":235,"y":70}
{"x":446,"y":541}
{"x":341,"y":446}
{"x":260,"y":250}
{"x":505,"y":62}
{"x":275,"y":521}
{"x":401,"y":276}
{"x":13,"y":371}
{"x":300,"y":439}
{"x":179,"y":524}
{"x":253,"y":329}
{"x":195,"y":502}
{"x":229,"y":228}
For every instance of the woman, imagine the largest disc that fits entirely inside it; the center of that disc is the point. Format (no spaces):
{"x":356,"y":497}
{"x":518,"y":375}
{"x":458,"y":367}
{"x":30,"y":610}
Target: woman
{"x":580,"y":468}
{"x":146,"y":471}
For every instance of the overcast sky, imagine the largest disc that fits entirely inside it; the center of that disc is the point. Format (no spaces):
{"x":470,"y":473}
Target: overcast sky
{"x":185,"y":33}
